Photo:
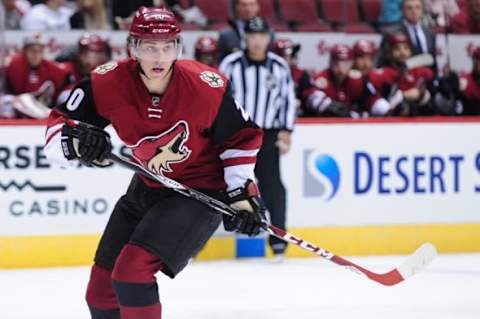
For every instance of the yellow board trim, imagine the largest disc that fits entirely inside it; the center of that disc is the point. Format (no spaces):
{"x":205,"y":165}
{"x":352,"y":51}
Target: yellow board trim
{"x":389,"y":239}
{"x":76,"y":250}
{"x":73,"y":250}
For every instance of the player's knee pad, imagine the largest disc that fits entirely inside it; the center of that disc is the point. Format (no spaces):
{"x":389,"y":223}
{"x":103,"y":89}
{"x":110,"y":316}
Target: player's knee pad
{"x":100,"y":296}
{"x":133,"y":277}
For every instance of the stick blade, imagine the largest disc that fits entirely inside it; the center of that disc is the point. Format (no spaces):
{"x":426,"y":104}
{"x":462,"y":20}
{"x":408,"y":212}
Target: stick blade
{"x":420,"y":60}
{"x":418,"y":260}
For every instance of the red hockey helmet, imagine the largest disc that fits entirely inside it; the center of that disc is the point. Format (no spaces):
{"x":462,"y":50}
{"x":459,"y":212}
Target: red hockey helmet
{"x":364,"y":47}
{"x":476,"y":53}
{"x":154,"y":24}
{"x":34,"y":39}
{"x":341,"y":52}
{"x":398,"y":38}
{"x":93,"y":42}
{"x":206,"y":45}
{"x":285,"y":48}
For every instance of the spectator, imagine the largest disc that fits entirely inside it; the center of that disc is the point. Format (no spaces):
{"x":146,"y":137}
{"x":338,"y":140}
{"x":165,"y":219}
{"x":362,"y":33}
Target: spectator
{"x":312,"y":101}
{"x":467,"y":21}
{"x":390,"y":14}
{"x":122,"y":11}
{"x":14,"y":11}
{"x":344,"y":85}
{"x":206,"y":51}
{"x":52,"y":15}
{"x":422,"y":40}
{"x":233,"y":38}
{"x":408,"y":90}
{"x":364,"y":52}
{"x":90,"y":15}
{"x":440,"y":12}
{"x":29,"y":72}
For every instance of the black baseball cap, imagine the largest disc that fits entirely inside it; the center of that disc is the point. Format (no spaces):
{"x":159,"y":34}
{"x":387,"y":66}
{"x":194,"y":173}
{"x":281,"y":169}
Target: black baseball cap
{"x":257,"y":25}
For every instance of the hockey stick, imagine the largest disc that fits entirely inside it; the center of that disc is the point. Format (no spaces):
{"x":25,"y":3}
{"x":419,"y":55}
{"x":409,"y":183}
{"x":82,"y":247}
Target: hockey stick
{"x":414,"y":263}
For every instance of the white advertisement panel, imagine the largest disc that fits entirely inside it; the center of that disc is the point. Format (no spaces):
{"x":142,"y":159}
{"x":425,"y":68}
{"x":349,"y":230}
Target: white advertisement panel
{"x":383,"y":173}
{"x":37,"y":199}
{"x":343,"y":174}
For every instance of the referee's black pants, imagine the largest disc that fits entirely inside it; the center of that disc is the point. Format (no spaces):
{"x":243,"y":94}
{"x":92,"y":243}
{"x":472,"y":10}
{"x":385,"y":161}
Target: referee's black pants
{"x":271,"y":187}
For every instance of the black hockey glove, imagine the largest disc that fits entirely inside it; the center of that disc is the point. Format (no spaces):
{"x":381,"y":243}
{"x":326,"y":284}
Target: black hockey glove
{"x":337,"y":109}
{"x":250,"y":210}
{"x":89,"y":144}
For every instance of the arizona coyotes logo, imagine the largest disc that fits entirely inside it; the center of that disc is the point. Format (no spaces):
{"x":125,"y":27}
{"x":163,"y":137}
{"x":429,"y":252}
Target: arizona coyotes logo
{"x":156,"y":153}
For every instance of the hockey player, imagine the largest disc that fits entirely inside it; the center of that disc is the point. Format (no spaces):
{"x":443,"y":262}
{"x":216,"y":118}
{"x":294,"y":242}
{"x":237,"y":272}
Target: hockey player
{"x":313,"y":101}
{"x":343,"y":84}
{"x":460,"y":95}
{"x":470,"y":87}
{"x":407,"y":90}
{"x":179,"y":119}
{"x":206,"y":51}
{"x":92,"y":51}
{"x":30,"y":73}
{"x":364,"y":52}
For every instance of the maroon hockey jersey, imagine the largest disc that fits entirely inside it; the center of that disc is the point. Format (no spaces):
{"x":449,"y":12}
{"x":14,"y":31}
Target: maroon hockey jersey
{"x":44,"y":82}
{"x":354,"y":91}
{"x":384,"y":78}
{"x":470,"y":93}
{"x":194,"y":133}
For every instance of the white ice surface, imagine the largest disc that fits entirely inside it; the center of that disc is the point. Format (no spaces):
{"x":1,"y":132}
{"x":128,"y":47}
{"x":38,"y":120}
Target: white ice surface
{"x":249,"y":289}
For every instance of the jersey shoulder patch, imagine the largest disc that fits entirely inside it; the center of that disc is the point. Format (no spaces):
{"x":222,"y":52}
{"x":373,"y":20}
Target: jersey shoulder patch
{"x":213,"y":79}
{"x":321,"y":82}
{"x":105,"y":68}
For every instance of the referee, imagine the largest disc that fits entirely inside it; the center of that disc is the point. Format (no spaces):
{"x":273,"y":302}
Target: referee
{"x":262,"y":83}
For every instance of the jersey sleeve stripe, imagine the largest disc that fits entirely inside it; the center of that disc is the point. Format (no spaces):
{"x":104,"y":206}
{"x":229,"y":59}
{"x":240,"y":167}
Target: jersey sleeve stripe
{"x":239,"y":161}
{"x":231,"y":153}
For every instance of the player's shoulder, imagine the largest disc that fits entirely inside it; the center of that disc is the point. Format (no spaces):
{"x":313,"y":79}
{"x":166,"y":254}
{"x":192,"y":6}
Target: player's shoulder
{"x":232,"y":57}
{"x":278,"y":59}
{"x":17,"y":60}
{"x":54,"y":66}
{"x":321,"y":79}
{"x":201,"y":75}
{"x":112,"y":68}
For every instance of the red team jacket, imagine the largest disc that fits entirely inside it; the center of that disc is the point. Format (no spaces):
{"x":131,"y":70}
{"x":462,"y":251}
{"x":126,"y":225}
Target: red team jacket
{"x":45,"y":82}
{"x":384,"y":78}
{"x":355,"y":91}
{"x":194,"y":133}
{"x":470,"y":93}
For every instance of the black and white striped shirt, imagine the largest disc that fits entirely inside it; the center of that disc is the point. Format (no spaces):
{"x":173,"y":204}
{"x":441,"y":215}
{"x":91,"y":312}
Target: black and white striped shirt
{"x":265,"y":89}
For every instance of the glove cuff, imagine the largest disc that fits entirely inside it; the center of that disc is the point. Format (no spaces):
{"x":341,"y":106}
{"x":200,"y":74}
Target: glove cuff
{"x":243,"y":193}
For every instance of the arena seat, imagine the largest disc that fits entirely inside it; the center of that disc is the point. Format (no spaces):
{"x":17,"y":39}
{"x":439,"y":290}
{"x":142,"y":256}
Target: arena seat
{"x":340,"y":11}
{"x":371,"y":10}
{"x":298,"y":11}
{"x":185,"y":3}
{"x":357,"y":28}
{"x":216,"y":11}
{"x":314,"y":27}
{"x":267,"y":10}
